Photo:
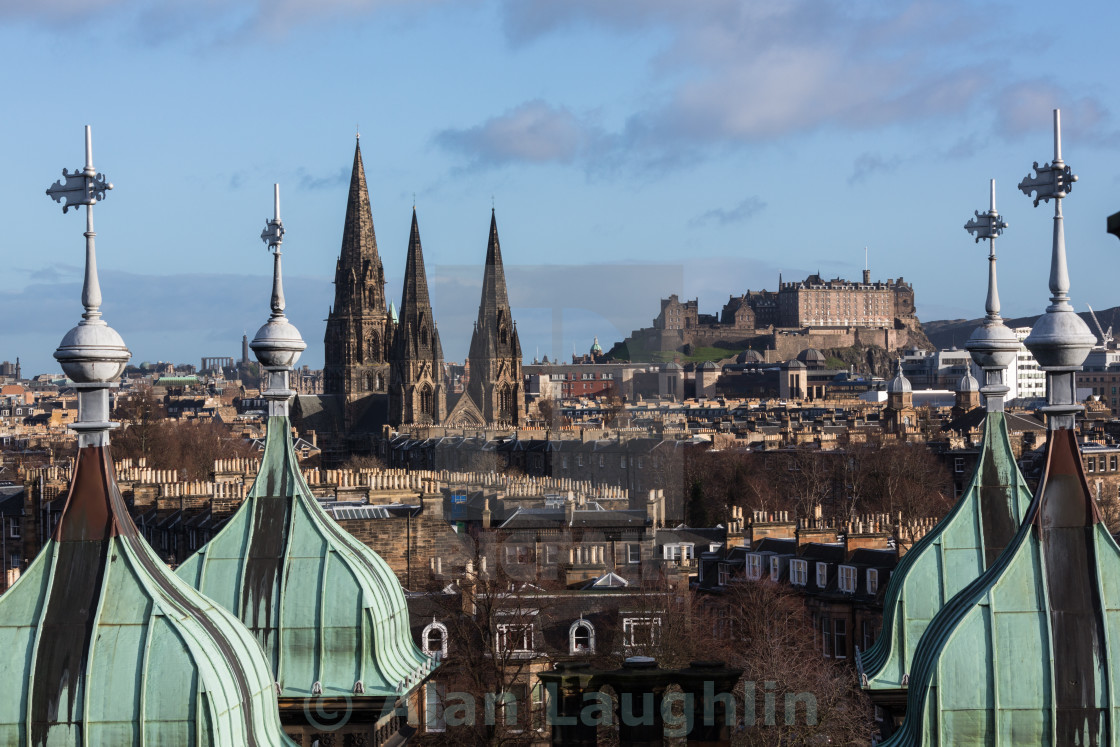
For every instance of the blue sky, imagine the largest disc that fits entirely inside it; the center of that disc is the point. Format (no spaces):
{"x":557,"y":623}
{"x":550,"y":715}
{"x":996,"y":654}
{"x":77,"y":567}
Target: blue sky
{"x":633,"y":148}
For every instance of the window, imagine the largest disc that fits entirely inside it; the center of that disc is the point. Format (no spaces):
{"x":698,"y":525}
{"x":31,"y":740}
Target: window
{"x":601,"y":461}
{"x":564,"y":462}
{"x":640,"y":462}
{"x":434,"y":639}
{"x":868,"y":634}
{"x":13,"y":560}
{"x":581,"y":637}
{"x":848,"y":579}
{"x":1112,"y":463}
{"x":1091,"y":464}
{"x":826,"y":637}
{"x":840,"y":638}
{"x":433,"y":707}
{"x":622,"y":462}
{"x":724,"y":574}
{"x":634,"y":553}
{"x":641,"y":631}
{"x":822,"y":575}
{"x":516,"y":554}
{"x":13,"y":529}
{"x":682,"y":551}
{"x":872,"y":580}
{"x":515,"y":638}
{"x":754,"y":567}
{"x":579,"y":460}
{"x":775,"y":568}
{"x":958,"y":464}
{"x":551,"y":553}
{"x":798,"y":572}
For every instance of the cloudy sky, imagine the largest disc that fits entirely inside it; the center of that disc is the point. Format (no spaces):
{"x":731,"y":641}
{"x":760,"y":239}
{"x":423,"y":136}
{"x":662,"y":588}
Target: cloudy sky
{"x":632,"y":148}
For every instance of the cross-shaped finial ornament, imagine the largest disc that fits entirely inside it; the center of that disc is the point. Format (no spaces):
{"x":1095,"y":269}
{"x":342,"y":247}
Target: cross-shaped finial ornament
{"x":988,"y":225}
{"x":273,"y":233}
{"x":1054,"y":179}
{"x":84,"y":187}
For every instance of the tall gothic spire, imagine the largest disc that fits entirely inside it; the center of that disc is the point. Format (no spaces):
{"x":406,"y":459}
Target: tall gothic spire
{"x":414,"y":296}
{"x":358,"y":238}
{"x":494,"y":296}
{"x":358,"y":327}
{"x":416,"y":391}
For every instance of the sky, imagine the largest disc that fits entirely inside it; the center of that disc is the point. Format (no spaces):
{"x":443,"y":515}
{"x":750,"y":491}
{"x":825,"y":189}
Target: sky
{"x":631,"y":149}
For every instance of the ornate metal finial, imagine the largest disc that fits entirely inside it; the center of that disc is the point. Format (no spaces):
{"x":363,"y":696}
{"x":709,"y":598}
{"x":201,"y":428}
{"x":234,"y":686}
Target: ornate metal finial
{"x":84,"y":187}
{"x":1054,"y":180}
{"x":990,"y":226}
{"x":1059,"y":340}
{"x":92,"y":354}
{"x":273,"y":233}
{"x":277,"y":344}
{"x":992,"y":345}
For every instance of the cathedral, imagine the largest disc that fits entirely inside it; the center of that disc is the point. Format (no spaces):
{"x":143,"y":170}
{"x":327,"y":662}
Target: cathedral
{"x":386,"y":367}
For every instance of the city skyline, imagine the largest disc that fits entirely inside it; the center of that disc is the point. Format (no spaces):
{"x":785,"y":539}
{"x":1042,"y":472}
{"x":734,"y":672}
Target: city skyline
{"x":698,"y":151}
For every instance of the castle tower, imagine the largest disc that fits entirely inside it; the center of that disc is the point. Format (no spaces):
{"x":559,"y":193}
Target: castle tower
{"x":495,"y":353}
{"x":416,"y":388}
{"x":359,"y":331}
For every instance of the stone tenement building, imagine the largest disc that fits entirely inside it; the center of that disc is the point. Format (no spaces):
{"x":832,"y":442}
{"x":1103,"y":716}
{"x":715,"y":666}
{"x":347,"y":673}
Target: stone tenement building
{"x":811,"y":313}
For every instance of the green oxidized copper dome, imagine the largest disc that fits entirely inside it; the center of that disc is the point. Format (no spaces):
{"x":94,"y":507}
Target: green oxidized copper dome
{"x":100,"y":643}
{"x":326,"y":608}
{"x":328,"y":611}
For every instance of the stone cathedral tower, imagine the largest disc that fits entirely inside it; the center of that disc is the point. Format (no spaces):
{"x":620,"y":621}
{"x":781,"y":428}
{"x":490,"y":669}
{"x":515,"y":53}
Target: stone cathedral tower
{"x":416,"y":387}
{"x":494,"y":386}
{"x":359,"y":329}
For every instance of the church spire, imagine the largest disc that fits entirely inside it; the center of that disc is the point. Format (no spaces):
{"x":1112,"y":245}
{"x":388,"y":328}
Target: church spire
{"x":494,"y":295}
{"x":416,"y":391}
{"x":414,"y":297}
{"x":358,"y":330}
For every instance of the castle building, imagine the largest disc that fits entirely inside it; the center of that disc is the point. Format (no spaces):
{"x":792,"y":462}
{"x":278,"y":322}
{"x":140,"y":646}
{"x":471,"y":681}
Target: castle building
{"x":417,"y":390}
{"x":359,"y":328}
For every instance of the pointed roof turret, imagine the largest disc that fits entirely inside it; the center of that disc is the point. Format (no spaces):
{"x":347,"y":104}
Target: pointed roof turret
{"x":111,"y":646}
{"x":494,"y":295}
{"x":1026,"y":654}
{"x":414,"y":296}
{"x":358,"y":238}
{"x":970,"y":538}
{"x":328,"y":611}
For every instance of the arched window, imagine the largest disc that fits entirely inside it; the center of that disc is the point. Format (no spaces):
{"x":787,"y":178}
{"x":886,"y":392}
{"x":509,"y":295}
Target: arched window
{"x":434,"y":639}
{"x":581,"y":637}
{"x":424,"y":336}
{"x":426,"y":400}
{"x":505,"y":403}
{"x":369,"y":382}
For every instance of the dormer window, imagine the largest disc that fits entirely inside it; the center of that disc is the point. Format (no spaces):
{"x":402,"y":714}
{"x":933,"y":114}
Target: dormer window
{"x":581,"y":638}
{"x":798,"y":572}
{"x":822,"y":575}
{"x":848,"y":579}
{"x":872,"y":581}
{"x":754,"y":566}
{"x":434,"y":639}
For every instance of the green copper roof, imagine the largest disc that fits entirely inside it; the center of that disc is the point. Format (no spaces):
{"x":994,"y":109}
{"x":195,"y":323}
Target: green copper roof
{"x":325,"y":607}
{"x":951,"y":556}
{"x":1024,"y":654}
{"x":111,"y":648}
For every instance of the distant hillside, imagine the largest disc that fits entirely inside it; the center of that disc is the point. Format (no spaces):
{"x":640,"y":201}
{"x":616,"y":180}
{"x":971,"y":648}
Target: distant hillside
{"x":948,"y":333}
